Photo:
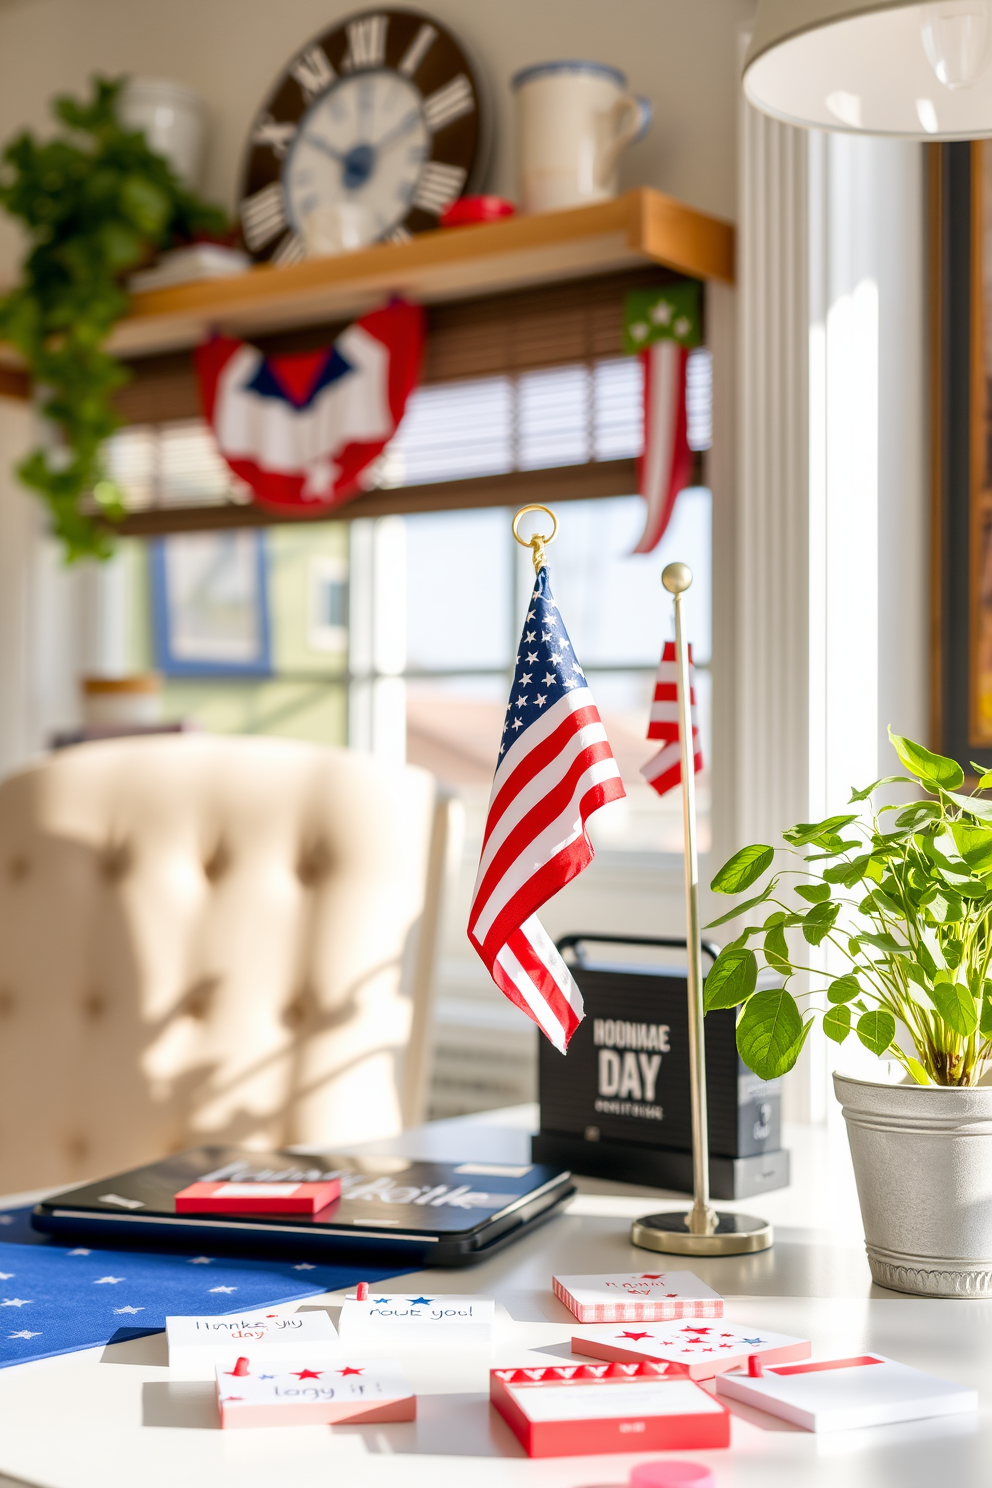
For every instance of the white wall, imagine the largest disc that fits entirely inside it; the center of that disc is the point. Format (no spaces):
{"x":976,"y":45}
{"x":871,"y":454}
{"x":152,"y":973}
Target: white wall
{"x":679,"y":53}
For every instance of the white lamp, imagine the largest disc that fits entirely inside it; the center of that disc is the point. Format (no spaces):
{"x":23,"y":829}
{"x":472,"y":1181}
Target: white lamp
{"x":922,"y":71}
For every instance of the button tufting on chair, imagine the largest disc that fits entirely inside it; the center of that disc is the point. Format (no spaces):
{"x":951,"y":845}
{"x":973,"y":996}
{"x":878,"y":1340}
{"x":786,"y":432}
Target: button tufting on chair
{"x":292,"y":1007}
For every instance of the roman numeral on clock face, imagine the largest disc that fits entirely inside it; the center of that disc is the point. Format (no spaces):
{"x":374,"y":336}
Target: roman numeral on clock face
{"x":313,"y":72}
{"x":449,"y":103}
{"x":366,"y":43}
{"x":417,"y":50}
{"x":263,"y":216}
{"x":275,"y":134}
{"x":438,"y":186}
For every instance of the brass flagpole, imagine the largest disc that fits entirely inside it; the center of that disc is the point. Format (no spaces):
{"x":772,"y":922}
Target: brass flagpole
{"x":704,"y":1230}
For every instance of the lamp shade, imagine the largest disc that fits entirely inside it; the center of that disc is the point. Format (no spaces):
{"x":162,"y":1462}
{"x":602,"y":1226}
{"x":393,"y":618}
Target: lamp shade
{"x":922,"y":71}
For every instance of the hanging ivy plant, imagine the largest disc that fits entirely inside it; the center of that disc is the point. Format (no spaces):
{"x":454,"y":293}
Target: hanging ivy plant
{"x":96,"y":202}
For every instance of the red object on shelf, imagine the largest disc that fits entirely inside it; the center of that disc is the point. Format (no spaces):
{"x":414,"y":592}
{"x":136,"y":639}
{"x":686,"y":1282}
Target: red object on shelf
{"x":257,"y":1198}
{"x":477,"y":209}
{"x":570,"y":1410}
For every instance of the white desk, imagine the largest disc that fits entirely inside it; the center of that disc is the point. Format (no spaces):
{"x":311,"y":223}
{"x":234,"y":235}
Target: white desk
{"x":114,"y":1418}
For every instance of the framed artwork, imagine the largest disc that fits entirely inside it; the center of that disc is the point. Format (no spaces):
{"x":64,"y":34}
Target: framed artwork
{"x":210,"y":604}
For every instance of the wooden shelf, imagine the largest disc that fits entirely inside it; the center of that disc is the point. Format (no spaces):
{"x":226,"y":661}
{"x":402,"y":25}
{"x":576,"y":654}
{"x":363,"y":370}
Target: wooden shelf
{"x":457,"y":263}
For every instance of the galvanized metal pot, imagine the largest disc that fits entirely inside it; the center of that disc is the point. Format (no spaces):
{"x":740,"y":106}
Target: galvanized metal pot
{"x":923,"y":1163}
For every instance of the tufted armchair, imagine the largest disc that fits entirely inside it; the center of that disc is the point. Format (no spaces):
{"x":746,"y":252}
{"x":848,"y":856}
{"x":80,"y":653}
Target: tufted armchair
{"x":228,"y":939}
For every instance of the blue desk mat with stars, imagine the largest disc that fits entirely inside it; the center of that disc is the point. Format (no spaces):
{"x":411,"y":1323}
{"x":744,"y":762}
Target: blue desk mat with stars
{"x":55,"y":1299}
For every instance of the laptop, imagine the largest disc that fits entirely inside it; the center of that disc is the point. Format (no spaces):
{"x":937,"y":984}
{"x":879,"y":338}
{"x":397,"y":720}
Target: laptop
{"x":400,"y":1210}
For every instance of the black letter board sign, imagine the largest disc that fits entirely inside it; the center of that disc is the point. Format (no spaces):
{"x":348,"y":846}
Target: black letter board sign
{"x":617,"y":1105}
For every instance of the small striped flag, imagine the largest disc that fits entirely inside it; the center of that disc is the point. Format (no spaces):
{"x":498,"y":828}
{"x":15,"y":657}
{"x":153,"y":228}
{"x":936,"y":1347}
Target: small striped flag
{"x":665,"y":770}
{"x":555,"y":769}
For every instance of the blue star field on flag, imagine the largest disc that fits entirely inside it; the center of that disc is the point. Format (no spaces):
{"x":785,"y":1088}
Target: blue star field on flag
{"x":546,"y":664}
{"x":55,"y":1299}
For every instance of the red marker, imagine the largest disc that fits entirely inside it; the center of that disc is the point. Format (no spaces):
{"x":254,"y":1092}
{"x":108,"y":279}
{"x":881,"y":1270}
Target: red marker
{"x":755,"y":1368}
{"x":240,"y":1369}
{"x":362,"y":1292}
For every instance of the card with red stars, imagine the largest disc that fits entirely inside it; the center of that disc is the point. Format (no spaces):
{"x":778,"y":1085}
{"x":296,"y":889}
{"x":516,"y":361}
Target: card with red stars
{"x":637,"y":1297}
{"x":313,"y":1393}
{"x":569,"y":1410}
{"x":702,"y":1348}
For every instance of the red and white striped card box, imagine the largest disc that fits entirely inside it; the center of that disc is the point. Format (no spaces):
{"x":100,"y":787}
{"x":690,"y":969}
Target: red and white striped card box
{"x":571,"y":1410}
{"x":702,"y":1348}
{"x":637,"y":1297}
{"x":313,"y":1393}
{"x":257,"y":1198}
{"x":840,"y":1394}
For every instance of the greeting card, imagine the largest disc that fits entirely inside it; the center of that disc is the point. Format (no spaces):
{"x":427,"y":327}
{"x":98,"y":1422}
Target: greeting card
{"x":638,"y":1296}
{"x":836,"y":1394}
{"x":570,"y":1410}
{"x":312,"y":1393}
{"x":412,"y":1320}
{"x":198,"y":1344}
{"x":703,"y":1348}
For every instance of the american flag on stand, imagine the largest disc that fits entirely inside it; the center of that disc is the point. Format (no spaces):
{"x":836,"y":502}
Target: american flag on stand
{"x":555,"y":769}
{"x":665,"y":770}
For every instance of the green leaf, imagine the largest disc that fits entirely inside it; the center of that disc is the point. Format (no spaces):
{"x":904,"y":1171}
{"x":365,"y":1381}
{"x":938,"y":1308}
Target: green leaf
{"x":985,"y":1018}
{"x":819,"y":922}
{"x":813,"y":893}
{"x":837,"y":1023}
{"x":914,"y":816}
{"x":743,"y":869}
{"x":884,"y":943}
{"x":813,"y":831}
{"x":984,"y":776}
{"x":974,"y":844}
{"x":731,"y":979}
{"x":847,"y":874}
{"x":843,"y":989}
{"x":776,"y":949}
{"x":981,"y":809}
{"x":869,"y":790}
{"x":743,"y":908}
{"x":770,"y":1033}
{"x":935,"y":770}
{"x":956,"y":1007}
{"x":946,"y":908}
{"x":876,"y":1030}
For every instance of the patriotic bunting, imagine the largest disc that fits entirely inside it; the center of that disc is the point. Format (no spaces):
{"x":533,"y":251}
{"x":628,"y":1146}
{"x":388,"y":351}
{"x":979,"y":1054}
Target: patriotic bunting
{"x":664,"y":771}
{"x":555,"y":769}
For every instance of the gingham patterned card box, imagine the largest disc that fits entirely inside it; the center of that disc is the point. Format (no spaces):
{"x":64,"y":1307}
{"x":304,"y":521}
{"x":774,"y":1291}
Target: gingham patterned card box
{"x":315,"y":1393}
{"x":637,"y":1297}
{"x":703,"y":1348}
{"x":569,"y":1410}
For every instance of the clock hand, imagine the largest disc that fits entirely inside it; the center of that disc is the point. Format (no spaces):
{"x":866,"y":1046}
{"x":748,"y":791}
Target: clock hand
{"x":402,"y":127}
{"x":324,"y":147}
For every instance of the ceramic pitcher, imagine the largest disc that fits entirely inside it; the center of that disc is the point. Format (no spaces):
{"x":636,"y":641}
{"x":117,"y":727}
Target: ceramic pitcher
{"x":574,"y":119}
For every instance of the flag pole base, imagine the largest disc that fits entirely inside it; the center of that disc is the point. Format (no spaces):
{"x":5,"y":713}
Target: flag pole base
{"x":735,"y":1234}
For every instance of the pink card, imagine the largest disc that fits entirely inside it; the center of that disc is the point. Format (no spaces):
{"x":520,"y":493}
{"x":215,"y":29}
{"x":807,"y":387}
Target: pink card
{"x":316,"y":1393}
{"x":570,"y":1410}
{"x":637,"y":1296}
{"x":838,"y":1394}
{"x":701,"y":1347}
{"x":257,"y":1198}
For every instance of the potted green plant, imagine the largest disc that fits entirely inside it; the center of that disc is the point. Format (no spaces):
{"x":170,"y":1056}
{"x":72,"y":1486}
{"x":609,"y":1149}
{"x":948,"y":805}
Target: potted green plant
{"x":95,"y":201}
{"x":898,"y":900}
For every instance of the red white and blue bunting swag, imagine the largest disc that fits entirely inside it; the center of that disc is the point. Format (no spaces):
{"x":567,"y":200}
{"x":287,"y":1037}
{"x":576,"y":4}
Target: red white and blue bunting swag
{"x":303,"y":430}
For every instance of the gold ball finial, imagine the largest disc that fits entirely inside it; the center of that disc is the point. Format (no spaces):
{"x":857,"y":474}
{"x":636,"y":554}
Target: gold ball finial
{"x":677,"y":577}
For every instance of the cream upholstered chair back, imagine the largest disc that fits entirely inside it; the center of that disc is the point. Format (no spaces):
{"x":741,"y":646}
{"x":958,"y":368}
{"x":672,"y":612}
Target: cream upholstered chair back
{"x":211,"y":939}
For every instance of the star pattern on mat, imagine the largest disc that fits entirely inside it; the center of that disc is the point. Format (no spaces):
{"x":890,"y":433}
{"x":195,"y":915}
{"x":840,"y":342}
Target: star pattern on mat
{"x":223,"y":1289}
{"x":15,"y":1301}
{"x":24,"y":1333}
{"x":129,"y":1309}
{"x":109,"y":1280}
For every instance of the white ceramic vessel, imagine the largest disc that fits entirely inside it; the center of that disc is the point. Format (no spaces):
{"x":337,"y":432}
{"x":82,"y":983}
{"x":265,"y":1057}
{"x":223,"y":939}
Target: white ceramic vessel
{"x":923,"y":1162}
{"x":574,"y":120}
{"x":173,"y":119}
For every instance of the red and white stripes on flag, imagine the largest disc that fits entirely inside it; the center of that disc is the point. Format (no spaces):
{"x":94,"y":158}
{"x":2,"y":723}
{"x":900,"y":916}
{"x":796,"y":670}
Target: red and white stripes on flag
{"x":665,"y":467}
{"x":555,"y":769}
{"x":665,"y":770}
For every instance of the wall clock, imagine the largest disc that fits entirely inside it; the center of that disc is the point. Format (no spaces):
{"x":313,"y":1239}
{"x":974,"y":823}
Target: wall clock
{"x":384,"y":110}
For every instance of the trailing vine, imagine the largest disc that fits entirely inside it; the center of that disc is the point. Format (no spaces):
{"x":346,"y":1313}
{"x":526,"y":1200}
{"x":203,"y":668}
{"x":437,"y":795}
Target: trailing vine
{"x":96,"y":202}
